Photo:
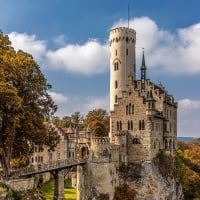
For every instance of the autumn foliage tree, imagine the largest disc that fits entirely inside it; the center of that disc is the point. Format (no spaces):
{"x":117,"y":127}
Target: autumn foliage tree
{"x":24,"y":104}
{"x":124,"y":192}
{"x":188,"y":168}
{"x":98,"y":121}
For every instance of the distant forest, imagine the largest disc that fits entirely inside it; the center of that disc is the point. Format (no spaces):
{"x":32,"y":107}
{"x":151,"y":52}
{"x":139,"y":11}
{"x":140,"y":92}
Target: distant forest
{"x":188,"y":158}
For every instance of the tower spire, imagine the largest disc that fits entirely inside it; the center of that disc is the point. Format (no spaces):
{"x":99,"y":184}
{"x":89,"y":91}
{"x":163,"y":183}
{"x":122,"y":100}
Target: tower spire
{"x":143,"y":72}
{"x":143,"y":67}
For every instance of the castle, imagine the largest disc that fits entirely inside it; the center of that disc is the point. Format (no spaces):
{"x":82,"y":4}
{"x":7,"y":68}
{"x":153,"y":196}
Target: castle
{"x":143,"y":120}
{"x":143,"y":115}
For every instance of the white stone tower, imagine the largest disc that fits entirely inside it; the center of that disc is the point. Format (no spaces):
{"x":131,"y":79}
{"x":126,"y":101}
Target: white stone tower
{"x":122,"y":61}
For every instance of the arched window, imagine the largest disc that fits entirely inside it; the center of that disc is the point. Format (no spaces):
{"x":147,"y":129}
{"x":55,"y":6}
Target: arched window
{"x":136,"y":141}
{"x":128,"y":125}
{"x":116,"y":99}
{"x":116,"y":84}
{"x":170,"y":144}
{"x":126,"y":109}
{"x":143,"y":125}
{"x":116,"y":66}
{"x":120,"y":125}
{"x":166,"y":144}
{"x":140,"y":125}
{"x":174,"y":144}
{"x":131,"y":125}
{"x":117,"y":125}
{"x":132,"y":109}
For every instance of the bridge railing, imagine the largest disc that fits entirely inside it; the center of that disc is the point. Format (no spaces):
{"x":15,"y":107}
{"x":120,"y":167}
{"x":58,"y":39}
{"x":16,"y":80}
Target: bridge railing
{"x":45,"y":167}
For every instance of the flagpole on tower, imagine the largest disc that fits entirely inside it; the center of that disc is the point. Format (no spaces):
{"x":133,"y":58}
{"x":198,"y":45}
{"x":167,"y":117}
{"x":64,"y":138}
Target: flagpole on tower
{"x":128,"y":14}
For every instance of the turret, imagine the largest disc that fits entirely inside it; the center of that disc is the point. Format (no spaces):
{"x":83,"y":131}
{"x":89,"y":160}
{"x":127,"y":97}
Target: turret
{"x":122,"y":61}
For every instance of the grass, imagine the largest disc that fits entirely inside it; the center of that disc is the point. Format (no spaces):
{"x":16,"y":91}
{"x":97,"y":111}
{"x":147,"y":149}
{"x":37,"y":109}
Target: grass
{"x":48,"y":190}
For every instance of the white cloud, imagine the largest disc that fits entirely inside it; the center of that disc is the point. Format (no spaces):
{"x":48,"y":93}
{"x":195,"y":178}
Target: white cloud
{"x":60,"y":40}
{"x":29,"y":44}
{"x":70,"y":105}
{"x":188,"y":117}
{"x":89,"y":58}
{"x":189,"y":105}
{"x":58,"y":97}
{"x":97,"y":102}
{"x":176,"y":53}
{"x":61,"y":101}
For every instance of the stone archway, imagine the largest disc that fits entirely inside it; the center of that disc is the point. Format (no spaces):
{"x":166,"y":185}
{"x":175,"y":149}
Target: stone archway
{"x":84,"y":152}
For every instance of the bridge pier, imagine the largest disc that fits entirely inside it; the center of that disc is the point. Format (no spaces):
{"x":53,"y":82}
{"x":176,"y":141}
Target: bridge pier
{"x":59,"y":185}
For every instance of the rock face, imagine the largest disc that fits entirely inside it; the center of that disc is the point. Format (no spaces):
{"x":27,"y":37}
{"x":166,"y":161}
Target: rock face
{"x":149,"y":184}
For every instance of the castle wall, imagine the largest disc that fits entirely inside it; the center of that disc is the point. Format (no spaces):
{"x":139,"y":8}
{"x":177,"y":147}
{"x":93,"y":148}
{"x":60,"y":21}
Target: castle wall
{"x":100,"y":175}
{"x":96,"y":179}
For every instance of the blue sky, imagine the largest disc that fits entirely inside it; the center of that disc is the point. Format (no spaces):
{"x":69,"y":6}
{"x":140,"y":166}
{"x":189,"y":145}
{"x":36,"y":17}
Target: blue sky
{"x":69,"y":40}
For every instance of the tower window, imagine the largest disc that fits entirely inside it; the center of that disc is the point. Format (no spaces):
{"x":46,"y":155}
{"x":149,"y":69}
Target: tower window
{"x":115,"y":52}
{"x":116,"y":84}
{"x":116,"y":66}
{"x":116,"y":99}
{"x":127,"y":52}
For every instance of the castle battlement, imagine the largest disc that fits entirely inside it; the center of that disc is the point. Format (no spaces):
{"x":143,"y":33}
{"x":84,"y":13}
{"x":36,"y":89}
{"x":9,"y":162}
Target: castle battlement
{"x":100,"y":140}
{"x":122,"y":30}
{"x":120,"y":133}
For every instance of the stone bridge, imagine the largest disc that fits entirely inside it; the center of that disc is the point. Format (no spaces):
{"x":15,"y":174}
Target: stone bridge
{"x":56,"y":168}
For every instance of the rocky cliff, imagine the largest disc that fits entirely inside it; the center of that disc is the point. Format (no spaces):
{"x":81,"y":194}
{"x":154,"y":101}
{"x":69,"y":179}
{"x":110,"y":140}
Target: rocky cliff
{"x":149,"y":184}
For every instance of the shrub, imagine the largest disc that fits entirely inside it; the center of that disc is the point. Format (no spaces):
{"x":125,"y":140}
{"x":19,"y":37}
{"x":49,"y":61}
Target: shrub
{"x":124,"y":192}
{"x":166,"y":164}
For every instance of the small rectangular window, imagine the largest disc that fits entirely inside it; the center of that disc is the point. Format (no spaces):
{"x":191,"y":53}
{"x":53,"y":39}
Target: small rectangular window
{"x":127,"y":52}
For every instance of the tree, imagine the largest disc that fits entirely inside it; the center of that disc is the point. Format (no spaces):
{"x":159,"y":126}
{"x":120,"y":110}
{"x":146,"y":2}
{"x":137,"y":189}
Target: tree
{"x":24,"y":104}
{"x":66,"y":121}
{"x":188,"y":168}
{"x":98,"y":121}
{"x":77,"y":120}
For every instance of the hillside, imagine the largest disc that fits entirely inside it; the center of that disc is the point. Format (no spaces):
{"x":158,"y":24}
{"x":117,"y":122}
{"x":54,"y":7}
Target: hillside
{"x":188,"y":168}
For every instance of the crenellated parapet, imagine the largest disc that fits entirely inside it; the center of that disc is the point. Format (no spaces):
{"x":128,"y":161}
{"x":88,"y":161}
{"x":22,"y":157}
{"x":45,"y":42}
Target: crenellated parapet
{"x":100,"y":140}
{"x":122,"y":34}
